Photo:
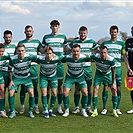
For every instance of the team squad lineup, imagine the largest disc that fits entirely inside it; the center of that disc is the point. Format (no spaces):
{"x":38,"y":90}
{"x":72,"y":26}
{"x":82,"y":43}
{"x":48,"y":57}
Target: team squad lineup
{"x":19,"y":66}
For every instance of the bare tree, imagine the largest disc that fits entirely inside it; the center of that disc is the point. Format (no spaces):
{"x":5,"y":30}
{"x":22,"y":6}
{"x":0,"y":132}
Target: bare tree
{"x":124,"y":36}
{"x":100,"y":41}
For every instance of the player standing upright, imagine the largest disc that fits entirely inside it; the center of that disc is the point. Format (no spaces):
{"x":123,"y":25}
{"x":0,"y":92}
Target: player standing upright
{"x":87,"y":45}
{"x":32,"y":47}
{"x":57,"y":41}
{"x":21,"y":64}
{"x":116,"y":49}
{"x":129,"y":49}
{"x":3,"y":58}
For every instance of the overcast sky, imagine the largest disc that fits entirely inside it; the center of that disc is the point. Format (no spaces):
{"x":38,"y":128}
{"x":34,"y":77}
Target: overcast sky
{"x":97,"y":15}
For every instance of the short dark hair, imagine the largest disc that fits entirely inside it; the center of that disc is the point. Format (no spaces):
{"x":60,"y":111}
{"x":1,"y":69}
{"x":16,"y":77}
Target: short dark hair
{"x":7,"y":32}
{"x":103,"y":47}
{"x":113,"y":27}
{"x":28,"y":26}
{"x":54,"y":22}
{"x":76,"y":45}
{"x":83,"y":28}
{"x":2,"y":45}
{"x":20,"y":45}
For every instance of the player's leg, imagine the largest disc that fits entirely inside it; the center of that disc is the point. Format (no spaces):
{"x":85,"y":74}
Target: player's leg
{"x":114,"y":101}
{"x":28,"y":85}
{"x":48,"y":94}
{"x":31,"y":101}
{"x":43,"y":86}
{"x":53,"y":85}
{"x":22,"y":99}
{"x":76,"y":100}
{"x":60,"y":75}
{"x":34,"y":77}
{"x":104,"y":98}
{"x":11,"y":102}
{"x":131,"y":95}
{"x":88,"y":78}
{"x":118,"y":83}
{"x":67,"y":86}
{"x":66,"y":101}
{"x":83,"y":87}
{"x":2,"y":99}
{"x":11,"y":98}
{"x":98,"y":79}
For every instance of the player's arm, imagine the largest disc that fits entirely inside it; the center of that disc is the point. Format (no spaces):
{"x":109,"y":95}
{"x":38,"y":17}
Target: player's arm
{"x":127,"y":64}
{"x":72,"y":38}
{"x":10,"y":77}
{"x":113,"y":78}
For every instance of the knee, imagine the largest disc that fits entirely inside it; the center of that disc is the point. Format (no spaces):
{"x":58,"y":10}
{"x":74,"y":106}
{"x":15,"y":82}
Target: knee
{"x":31,"y":93}
{"x":11,"y":93}
{"x":65,"y":92}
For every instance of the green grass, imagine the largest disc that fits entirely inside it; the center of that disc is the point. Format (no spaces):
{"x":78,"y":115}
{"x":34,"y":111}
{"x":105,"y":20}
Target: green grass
{"x":73,"y":123}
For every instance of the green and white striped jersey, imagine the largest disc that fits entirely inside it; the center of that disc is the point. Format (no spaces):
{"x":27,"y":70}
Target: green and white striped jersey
{"x":32,"y":47}
{"x":57,"y":42}
{"x":22,"y":67}
{"x":103,"y":66}
{"x":115,"y":49}
{"x":10,"y":50}
{"x":86,"y":47}
{"x":3,"y":59}
{"x":48,"y":69}
{"x":75,"y":67}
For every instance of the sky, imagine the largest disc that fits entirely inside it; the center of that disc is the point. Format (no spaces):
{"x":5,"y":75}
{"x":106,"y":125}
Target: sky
{"x":96,"y":15}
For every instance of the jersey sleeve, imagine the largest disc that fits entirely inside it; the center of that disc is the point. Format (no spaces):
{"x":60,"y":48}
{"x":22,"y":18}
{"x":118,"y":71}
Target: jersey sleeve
{"x":39,"y":46}
{"x":92,"y":57}
{"x":33,"y":58}
{"x":95,"y":45}
{"x":64,"y":59}
{"x":10,"y":64}
{"x":43,"y":41}
{"x":113,"y":63}
{"x":65,"y":41}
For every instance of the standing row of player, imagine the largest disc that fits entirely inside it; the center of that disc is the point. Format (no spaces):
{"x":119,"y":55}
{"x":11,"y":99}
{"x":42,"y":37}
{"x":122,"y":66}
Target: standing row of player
{"x":58,"y":41}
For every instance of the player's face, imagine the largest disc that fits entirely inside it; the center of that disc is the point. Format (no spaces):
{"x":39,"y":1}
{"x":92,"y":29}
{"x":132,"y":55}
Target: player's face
{"x":29,"y":32}
{"x":83,"y":34}
{"x":49,"y":55}
{"x":76,"y":53}
{"x":103,"y":53}
{"x":21,"y":51}
{"x":1,"y":51}
{"x":7,"y":38}
{"x":55,"y":28}
{"x":114,"y":33}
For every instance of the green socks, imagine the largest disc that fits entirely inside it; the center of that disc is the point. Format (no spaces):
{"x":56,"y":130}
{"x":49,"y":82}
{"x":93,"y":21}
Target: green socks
{"x":114,"y":101}
{"x":66,"y":102}
{"x":60,"y":98}
{"x":52,"y":102}
{"x":2,"y":104}
{"x":95,"y":102}
{"x":44,"y":103}
{"x":104,"y":98}
{"x":76,"y":99}
{"x":119,"y":99}
{"x":31,"y":104}
{"x":84,"y":101}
